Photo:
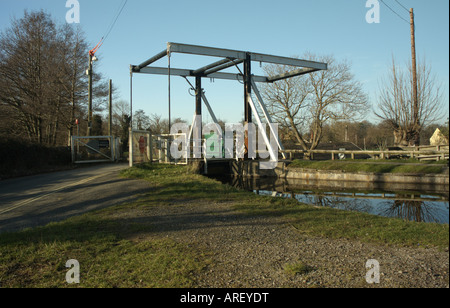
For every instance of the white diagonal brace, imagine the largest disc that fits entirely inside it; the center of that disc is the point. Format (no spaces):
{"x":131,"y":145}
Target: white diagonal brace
{"x":273,"y":155}
{"x":267,"y":116}
{"x":211,"y":112}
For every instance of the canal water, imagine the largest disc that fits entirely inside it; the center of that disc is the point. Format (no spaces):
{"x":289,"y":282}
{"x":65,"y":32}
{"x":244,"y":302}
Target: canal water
{"x":408,"y":202}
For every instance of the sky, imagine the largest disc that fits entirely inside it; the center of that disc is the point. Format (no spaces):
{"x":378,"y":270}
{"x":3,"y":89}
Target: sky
{"x":283,"y":28}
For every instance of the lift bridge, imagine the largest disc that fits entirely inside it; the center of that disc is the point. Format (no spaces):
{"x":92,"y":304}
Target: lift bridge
{"x":146,"y":147}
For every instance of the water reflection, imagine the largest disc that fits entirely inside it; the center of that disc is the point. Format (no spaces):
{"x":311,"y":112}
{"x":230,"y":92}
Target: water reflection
{"x":413,"y":205}
{"x":419,"y":211}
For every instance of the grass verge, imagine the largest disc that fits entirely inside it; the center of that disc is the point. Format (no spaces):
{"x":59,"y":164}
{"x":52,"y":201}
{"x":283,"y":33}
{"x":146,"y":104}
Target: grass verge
{"x":372,"y":166}
{"x":36,"y":258}
{"x":113,"y":253}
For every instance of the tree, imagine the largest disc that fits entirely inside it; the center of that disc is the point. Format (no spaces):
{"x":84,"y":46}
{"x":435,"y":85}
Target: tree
{"x":122,"y":121}
{"x":141,"y":121}
{"x":97,"y":125}
{"x":304,"y":104}
{"x":42,"y":78}
{"x":25,"y":62}
{"x":396,"y":103}
{"x":287,"y":102}
{"x":71,"y":76}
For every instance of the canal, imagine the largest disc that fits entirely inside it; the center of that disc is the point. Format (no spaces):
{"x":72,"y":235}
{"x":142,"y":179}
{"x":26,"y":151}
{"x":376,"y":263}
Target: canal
{"x":408,"y":202}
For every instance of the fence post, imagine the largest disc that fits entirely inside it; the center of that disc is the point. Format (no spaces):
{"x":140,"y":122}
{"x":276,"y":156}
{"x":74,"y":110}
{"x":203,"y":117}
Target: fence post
{"x":150,"y":143}
{"x":72,"y":146}
{"x":159,"y":149}
{"x":112,"y":146}
{"x":130,"y":151}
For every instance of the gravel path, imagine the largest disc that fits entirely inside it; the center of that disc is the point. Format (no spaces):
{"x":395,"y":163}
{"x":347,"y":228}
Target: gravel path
{"x":251,"y":252}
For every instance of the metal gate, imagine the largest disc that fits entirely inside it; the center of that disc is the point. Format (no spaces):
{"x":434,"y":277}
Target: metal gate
{"x":97,"y":149}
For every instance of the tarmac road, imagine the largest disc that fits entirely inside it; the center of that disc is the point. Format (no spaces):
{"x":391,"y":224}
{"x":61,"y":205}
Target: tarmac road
{"x":38,"y":200}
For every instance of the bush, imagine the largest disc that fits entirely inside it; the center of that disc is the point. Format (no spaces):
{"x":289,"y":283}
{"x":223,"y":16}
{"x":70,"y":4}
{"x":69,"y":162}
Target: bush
{"x":18,"y":158}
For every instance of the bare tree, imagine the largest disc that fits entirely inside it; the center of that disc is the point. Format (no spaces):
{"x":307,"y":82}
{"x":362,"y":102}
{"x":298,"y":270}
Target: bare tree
{"x":42,"y":77}
{"x":24,"y":63}
{"x":141,"y":121}
{"x":336,"y":96}
{"x":396,"y":104}
{"x":71,"y":76}
{"x":122,"y":121}
{"x":304,"y":104}
{"x":287,"y":101}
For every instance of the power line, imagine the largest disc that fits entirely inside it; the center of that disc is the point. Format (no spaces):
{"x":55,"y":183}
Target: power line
{"x":393,"y":11}
{"x":124,"y":3}
{"x":405,"y":8}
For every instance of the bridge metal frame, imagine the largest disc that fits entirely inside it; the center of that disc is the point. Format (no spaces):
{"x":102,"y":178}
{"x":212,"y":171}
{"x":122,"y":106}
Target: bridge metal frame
{"x":229,"y":58}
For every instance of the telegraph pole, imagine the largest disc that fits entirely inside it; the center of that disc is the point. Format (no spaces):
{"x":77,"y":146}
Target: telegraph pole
{"x":90,"y":96}
{"x":92,"y":58}
{"x":110,"y":108}
{"x":414,"y":72}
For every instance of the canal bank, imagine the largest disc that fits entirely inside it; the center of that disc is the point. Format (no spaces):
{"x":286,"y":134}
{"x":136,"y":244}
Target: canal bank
{"x":253,"y":239}
{"x":408,"y":202}
{"x":285,"y":170}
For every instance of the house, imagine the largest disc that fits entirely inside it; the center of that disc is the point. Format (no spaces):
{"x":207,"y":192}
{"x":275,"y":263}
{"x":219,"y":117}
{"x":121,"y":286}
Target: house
{"x":438,"y":138}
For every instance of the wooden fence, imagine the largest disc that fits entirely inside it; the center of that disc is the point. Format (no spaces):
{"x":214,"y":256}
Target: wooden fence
{"x":422,"y":153}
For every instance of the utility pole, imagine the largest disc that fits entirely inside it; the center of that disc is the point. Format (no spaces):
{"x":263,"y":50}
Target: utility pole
{"x":110,"y":108}
{"x":92,"y":58}
{"x":89,"y":72}
{"x":414,"y":72}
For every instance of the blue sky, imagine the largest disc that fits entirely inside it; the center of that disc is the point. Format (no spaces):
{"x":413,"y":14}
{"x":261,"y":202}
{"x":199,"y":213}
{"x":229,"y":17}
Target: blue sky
{"x":283,"y":27}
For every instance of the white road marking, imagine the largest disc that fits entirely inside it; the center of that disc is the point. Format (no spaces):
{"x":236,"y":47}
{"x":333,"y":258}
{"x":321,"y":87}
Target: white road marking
{"x":58,"y":189}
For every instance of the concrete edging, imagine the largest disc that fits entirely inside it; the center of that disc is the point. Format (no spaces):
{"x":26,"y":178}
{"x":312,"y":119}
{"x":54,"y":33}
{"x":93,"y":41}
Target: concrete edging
{"x":252,"y":169}
{"x":320,"y":175}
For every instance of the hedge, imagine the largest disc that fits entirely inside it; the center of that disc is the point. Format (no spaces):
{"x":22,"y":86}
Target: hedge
{"x":19,"y":158}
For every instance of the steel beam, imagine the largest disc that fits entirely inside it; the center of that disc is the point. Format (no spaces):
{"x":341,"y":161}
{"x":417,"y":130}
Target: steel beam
{"x":205,"y":51}
{"x":224,"y":66}
{"x":161,"y":55}
{"x":198,"y":95}
{"x":273,"y":155}
{"x":267,"y":116}
{"x":291,"y":74}
{"x":211,"y":112}
{"x":205,"y":100}
{"x":210,"y":66}
{"x":259,"y":57}
{"x":189,"y":73}
{"x":198,"y":113}
{"x":242,"y":55}
{"x":247,"y":89}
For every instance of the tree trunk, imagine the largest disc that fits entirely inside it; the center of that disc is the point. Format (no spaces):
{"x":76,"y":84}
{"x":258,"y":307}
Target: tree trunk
{"x":297,"y":133}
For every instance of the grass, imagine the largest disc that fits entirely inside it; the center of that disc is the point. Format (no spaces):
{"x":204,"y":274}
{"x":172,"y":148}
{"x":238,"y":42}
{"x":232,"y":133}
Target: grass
{"x":298,"y":268}
{"x":372,"y":166}
{"x":36,"y":258}
{"x":118,"y":247}
{"x":337,"y":224}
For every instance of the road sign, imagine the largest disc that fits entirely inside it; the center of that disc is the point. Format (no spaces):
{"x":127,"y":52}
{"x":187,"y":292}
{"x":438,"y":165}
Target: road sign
{"x":142,"y":144}
{"x":103,"y":144}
